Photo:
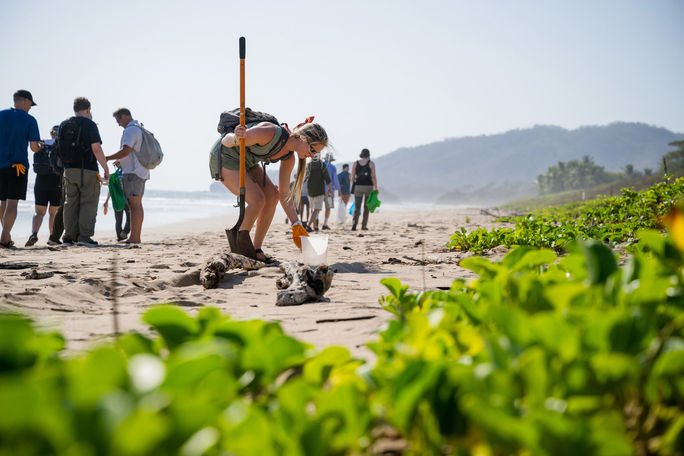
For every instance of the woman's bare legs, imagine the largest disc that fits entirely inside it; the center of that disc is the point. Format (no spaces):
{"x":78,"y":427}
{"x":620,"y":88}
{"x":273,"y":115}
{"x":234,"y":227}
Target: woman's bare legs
{"x":261,"y":201}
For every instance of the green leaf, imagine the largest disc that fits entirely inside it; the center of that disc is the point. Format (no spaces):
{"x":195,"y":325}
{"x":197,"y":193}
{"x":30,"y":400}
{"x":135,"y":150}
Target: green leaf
{"x":479,"y":265}
{"x":174,"y":325}
{"x":614,"y":367}
{"x":394,"y":286}
{"x":526,"y":258}
{"x":16,"y":343}
{"x":318,"y":368}
{"x":600,"y":261}
{"x":140,"y":434}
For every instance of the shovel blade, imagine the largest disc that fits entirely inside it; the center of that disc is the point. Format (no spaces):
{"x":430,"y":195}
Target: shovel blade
{"x":240,"y":242}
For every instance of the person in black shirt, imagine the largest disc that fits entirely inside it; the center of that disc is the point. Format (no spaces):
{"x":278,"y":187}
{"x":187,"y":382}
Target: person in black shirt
{"x":363,"y":175}
{"x":47,"y":190}
{"x":82,"y":181}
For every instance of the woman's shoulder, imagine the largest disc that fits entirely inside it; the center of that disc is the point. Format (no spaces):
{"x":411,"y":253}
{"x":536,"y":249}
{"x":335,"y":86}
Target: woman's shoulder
{"x":263,"y":125}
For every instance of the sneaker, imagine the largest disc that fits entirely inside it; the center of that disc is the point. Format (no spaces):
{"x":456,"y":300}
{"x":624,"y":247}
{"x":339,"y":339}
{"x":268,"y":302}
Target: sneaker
{"x":325,"y":227}
{"x":54,"y":242}
{"x":68,"y":241}
{"x":121,"y":237}
{"x":88,"y":243}
{"x":31,"y":240}
{"x":364,"y":228}
{"x":354,"y":227}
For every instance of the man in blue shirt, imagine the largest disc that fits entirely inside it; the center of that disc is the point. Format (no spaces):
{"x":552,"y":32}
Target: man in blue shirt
{"x":330,"y":188}
{"x":17,"y":130}
{"x":345,"y":183}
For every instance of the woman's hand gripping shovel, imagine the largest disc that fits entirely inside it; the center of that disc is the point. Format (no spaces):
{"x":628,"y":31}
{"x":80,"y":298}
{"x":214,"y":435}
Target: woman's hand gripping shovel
{"x":239,"y":240}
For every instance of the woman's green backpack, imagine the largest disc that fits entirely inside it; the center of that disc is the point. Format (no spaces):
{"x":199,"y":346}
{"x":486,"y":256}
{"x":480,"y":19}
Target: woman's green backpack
{"x":373,"y":202}
{"x":116,"y":191}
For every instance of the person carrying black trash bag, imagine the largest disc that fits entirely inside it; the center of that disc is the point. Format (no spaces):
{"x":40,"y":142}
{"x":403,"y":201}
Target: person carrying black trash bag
{"x":364,"y":181}
{"x":268,"y":142}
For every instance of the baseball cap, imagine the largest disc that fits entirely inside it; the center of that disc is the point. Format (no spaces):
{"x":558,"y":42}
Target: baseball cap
{"x":25,"y":94}
{"x":55,"y":128}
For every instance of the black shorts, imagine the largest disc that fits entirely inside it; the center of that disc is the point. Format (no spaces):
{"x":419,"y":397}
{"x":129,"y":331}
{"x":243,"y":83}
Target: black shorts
{"x":48,"y":189}
{"x":12,"y":186}
{"x":305,"y":201}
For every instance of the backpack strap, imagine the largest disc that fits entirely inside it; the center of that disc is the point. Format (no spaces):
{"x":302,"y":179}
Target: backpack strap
{"x":277,"y":147}
{"x":78,"y":144}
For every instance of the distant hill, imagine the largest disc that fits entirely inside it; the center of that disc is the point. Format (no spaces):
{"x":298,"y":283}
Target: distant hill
{"x":462,"y":168}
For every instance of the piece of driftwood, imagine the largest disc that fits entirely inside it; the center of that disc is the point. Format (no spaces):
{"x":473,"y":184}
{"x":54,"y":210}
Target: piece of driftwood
{"x":35,"y":275}
{"x":302,"y":283}
{"x":335,"y":320}
{"x":19,"y":265}
{"x":214,"y":269}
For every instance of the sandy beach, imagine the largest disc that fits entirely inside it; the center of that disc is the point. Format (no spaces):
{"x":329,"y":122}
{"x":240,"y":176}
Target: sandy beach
{"x":76,"y":298}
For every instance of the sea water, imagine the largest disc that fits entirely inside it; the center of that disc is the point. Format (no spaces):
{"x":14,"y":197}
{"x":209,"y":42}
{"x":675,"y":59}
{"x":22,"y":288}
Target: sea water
{"x":161,"y":208}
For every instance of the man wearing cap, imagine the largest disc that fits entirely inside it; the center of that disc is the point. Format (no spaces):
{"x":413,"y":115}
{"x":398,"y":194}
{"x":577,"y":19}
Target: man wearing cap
{"x":18,"y":129}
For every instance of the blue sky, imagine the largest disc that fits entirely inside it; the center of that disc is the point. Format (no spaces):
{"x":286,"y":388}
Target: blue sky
{"x":376,"y":74}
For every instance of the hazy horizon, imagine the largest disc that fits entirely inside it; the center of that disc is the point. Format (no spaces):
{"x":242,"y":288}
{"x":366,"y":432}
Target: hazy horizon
{"x":382,"y":75}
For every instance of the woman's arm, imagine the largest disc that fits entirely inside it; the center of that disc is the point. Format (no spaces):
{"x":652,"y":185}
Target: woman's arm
{"x":352,"y":174}
{"x":284,"y":188}
{"x":375,"y":181}
{"x":259,"y":134}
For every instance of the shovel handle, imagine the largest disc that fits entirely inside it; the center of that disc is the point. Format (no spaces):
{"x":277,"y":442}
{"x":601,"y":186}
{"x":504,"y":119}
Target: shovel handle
{"x":242,"y":115}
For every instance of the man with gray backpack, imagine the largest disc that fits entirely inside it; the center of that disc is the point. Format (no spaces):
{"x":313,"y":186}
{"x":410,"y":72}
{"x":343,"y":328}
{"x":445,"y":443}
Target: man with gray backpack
{"x":139,"y":153}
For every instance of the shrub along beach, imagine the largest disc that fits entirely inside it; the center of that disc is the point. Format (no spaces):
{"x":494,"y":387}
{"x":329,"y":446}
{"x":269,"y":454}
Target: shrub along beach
{"x":564,"y":335}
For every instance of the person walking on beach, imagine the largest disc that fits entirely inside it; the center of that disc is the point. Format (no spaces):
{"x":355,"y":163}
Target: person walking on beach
{"x":18,"y":129}
{"x":304,"y":206}
{"x":330,"y":188}
{"x":48,"y":186}
{"x":57,"y":228}
{"x":134,"y":173}
{"x":268,"y":141}
{"x":345,"y":184}
{"x":81,"y":176}
{"x":317,"y":177}
{"x":363,"y":175}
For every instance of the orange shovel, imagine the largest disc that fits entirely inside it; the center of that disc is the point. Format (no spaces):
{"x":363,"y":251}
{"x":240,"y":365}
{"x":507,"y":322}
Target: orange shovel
{"x":239,"y":240}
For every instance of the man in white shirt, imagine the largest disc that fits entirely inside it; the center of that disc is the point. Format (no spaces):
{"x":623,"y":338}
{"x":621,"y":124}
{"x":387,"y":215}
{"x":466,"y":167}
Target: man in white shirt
{"x":134,"y":174}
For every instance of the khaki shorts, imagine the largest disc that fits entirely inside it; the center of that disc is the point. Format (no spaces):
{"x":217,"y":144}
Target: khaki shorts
{"x":317,"y":202}
{"x":132,"y":185}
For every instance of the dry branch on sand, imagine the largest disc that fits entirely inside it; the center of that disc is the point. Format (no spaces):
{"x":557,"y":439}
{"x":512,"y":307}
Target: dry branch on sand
{"x":214,"y":269}
{"x":302,"y":283}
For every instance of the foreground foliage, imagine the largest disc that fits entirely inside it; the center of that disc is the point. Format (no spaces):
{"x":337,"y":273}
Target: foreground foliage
{"x":612,"y":220}
{"x":535,"y":356}
{"x":579,"y":357}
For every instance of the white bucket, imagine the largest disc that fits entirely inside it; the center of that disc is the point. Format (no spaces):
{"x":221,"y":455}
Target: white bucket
{"x":315,"y":249}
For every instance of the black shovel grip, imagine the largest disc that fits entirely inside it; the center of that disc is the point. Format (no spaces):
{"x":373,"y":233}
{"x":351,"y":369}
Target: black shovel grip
{"x":242,"y":47}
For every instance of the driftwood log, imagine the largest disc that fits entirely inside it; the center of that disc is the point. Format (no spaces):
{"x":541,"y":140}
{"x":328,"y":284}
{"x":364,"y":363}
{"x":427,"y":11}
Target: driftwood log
{"x":302,"y":283}
{"x":35,"y":275}
{"x":214,"y":269}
